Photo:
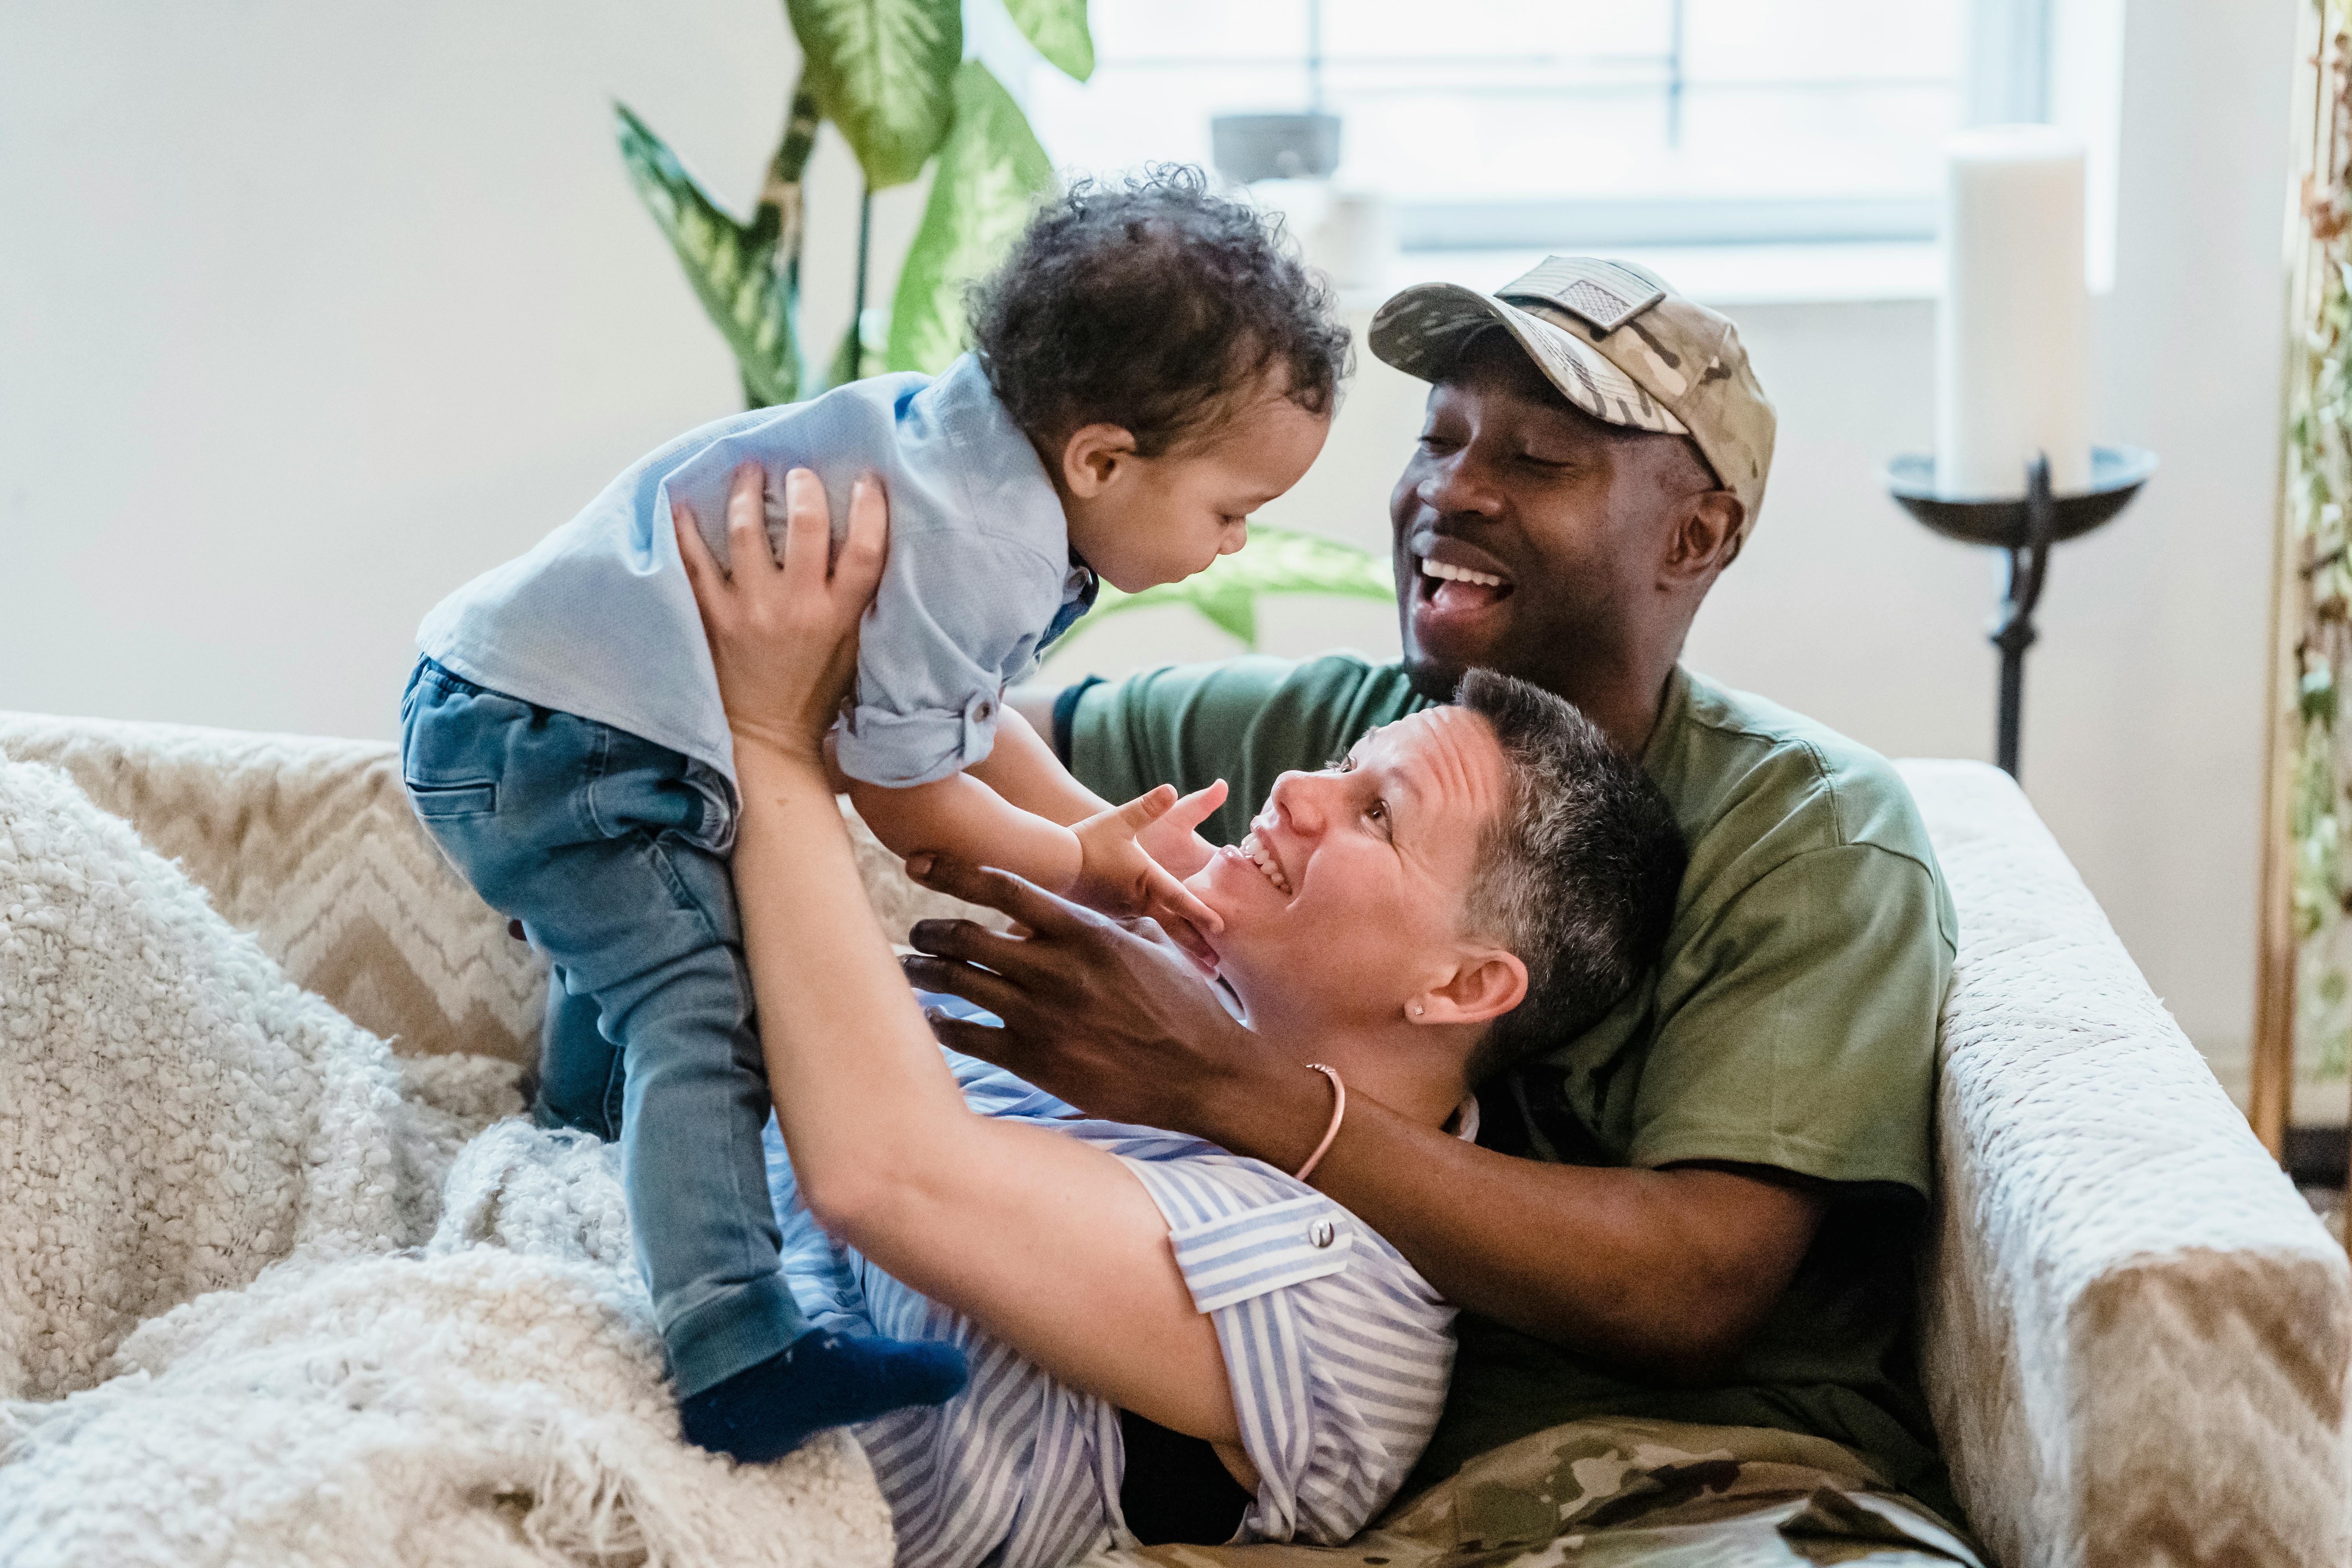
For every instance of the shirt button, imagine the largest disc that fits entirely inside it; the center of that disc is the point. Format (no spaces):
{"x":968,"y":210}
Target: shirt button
{"x":983,"y":709}
{"x":1320,"y":1234}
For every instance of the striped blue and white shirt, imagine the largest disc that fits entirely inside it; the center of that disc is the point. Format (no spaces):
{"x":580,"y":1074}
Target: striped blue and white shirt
{"x":1338,"y":1351}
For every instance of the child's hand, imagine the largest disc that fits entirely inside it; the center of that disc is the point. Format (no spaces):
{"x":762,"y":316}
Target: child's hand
{"x":1120,"y":876}
{"x":1172,"y":839}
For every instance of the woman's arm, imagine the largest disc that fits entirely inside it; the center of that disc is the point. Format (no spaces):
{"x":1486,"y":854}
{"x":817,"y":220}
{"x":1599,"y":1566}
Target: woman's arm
{"x":1666,"y":1271}
{"x":1045,"y":1241}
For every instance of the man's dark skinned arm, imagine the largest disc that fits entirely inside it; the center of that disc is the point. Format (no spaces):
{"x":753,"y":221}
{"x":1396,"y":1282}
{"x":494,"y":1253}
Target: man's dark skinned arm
{"x":1668,"y":1270}
{"x":1665,"y":1270}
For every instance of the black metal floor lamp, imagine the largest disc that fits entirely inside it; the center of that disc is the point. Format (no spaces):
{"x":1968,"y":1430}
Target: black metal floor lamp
{"x":2027,"y":527}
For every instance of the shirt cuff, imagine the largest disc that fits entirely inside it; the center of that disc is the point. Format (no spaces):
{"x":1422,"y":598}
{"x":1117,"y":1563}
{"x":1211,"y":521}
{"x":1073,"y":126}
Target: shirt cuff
{"x":1233,"y":1259}
{"x":901,"y":751}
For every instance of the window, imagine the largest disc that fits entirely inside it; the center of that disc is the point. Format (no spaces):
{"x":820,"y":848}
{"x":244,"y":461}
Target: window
{"x":1544,"y":124}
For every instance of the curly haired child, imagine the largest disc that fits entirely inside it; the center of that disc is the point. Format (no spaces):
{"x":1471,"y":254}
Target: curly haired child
{"x":1149,"y":366}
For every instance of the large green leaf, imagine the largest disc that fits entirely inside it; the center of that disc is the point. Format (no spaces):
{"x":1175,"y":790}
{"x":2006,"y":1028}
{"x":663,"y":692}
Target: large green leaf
{"x":990,"y":174}
{"x":884,"y":71}
{"x":732,"y":268}
{"x":1058,"y":28}
{"x":1276,"y":560}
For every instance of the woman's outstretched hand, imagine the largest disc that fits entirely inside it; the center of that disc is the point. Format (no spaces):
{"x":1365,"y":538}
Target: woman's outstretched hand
{"x":784,"y":633}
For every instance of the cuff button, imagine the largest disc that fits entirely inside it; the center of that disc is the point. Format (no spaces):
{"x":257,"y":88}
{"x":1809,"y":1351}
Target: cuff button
{"x":1320,"y":1234}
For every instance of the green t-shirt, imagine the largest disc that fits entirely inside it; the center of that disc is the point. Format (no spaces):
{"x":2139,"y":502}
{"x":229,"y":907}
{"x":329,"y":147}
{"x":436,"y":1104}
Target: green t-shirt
{"x":1791,"y":1023}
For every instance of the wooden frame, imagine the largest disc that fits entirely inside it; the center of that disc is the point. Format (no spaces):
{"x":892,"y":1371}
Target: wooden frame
{"x":2315,"y":189}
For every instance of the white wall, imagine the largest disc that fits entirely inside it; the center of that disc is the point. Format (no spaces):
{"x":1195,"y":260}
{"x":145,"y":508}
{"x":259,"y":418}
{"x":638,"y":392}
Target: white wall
{"x":311,"y":313}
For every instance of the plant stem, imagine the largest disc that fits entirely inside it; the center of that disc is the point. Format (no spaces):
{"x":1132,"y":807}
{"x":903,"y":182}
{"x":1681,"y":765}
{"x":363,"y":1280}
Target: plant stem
{"x":781,"y":201}
{"x":858,"y":301}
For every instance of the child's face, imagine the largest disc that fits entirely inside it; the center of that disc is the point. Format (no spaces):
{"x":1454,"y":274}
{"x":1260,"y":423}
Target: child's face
{"x":1142,"y":521}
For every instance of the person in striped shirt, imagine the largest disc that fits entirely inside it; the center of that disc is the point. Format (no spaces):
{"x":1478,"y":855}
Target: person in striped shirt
{"x":1167,"y":1341}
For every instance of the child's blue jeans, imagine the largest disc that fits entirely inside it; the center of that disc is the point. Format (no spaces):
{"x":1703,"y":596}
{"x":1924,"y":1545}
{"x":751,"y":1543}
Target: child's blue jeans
{"x":602,"y":845}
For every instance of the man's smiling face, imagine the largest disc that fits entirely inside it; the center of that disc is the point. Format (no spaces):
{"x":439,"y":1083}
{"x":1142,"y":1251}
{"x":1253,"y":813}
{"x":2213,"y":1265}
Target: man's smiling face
{"x":1528,"y":534}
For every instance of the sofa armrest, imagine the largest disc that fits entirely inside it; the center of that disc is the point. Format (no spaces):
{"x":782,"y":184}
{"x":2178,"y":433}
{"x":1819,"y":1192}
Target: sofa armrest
{"x":308,"y":844}
{"x":2136,"y":1336}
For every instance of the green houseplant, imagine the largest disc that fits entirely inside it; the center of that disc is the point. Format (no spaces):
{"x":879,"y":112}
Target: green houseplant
{"x":891,"y":76}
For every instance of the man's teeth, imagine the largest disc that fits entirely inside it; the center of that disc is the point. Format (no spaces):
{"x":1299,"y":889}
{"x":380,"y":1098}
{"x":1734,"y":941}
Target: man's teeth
{"x":1264,"y":861}
{"x":1439,"y":569}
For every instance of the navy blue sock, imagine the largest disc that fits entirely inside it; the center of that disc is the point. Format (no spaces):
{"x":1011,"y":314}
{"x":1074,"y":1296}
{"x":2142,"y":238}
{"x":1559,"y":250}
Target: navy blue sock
{"x":822,"y":1379}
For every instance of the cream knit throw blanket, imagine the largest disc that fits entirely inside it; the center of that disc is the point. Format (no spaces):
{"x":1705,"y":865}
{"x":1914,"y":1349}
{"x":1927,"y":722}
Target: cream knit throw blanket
{"x":261,"y":1300}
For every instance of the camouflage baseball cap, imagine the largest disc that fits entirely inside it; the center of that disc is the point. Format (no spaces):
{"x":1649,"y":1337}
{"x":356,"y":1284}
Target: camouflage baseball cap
{"x":1618,"y":342}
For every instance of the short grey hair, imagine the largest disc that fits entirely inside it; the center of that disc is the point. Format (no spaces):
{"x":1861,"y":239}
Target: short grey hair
{"x":1576,"y":874}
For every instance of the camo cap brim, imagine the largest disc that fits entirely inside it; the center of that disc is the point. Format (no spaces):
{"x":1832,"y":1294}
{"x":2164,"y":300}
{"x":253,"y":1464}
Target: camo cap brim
{"x":1423,"y":330}
{"x":1618,"y":342}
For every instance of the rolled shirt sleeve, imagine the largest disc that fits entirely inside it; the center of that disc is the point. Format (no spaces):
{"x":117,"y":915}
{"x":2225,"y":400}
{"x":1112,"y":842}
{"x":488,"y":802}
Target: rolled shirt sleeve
{"x":1338,"y":1351}
{"x":965,"y":610}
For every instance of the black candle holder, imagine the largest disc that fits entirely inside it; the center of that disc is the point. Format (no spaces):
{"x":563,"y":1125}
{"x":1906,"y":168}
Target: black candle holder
{"x":2027,"y":527}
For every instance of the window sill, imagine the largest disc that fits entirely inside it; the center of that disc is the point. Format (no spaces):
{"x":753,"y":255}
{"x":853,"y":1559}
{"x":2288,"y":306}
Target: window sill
{"x":1846,"y":272}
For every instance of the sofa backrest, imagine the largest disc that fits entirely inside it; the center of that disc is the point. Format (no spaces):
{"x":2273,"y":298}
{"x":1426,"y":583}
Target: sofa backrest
{"x":308,"y":844}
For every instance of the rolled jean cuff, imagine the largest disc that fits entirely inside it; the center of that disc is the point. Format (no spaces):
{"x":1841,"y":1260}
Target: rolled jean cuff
{"x":732,"y":1333}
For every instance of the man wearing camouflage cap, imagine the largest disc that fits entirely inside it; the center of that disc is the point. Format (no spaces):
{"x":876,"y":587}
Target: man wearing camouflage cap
{"x":1698,"y":1218}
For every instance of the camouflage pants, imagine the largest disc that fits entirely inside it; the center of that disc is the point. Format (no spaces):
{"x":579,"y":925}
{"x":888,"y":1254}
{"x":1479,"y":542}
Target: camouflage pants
{"x":1599,"y":1494}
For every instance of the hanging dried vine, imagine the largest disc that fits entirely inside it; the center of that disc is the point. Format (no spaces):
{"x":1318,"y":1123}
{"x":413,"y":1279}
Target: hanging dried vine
{"x":2319,"y":490}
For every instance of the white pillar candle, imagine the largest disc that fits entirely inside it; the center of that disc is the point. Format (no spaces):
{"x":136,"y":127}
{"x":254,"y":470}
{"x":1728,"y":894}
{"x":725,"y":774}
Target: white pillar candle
{"x":2011,"y":336}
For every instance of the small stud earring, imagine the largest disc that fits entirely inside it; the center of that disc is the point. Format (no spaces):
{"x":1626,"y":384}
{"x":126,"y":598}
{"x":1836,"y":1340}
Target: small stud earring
{"x":1416,"y":1009}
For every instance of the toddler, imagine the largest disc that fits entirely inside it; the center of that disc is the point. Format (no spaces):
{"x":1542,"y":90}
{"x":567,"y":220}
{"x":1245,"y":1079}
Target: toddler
{"x":1150,"y":367}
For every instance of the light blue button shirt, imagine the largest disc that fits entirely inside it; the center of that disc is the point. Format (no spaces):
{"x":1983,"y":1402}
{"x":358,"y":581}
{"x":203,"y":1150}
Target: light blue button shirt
{"x":599,"y":620}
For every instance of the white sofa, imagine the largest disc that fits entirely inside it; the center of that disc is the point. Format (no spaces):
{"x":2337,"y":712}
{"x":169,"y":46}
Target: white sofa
{"x":2135,"y":1337}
